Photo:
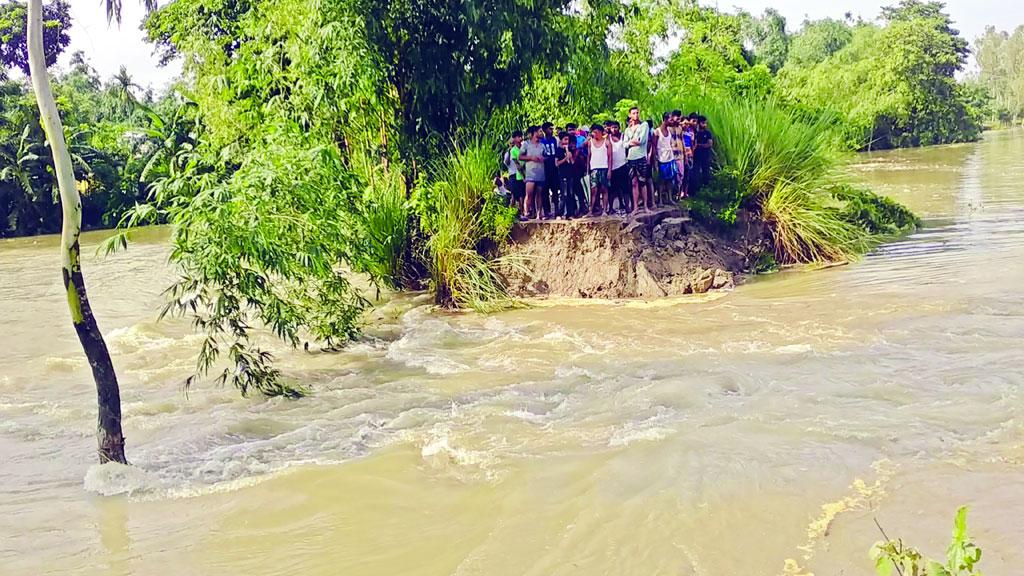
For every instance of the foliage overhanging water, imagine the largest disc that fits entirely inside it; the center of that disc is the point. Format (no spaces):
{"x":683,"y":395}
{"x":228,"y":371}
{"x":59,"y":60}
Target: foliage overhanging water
{"x":753,"y":433}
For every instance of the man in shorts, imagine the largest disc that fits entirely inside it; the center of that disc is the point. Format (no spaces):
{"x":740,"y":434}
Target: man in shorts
{"x":636,"y":136}
{"x":599,"y":157}
{"x":679,"y":151}
{"x":532,"y":153}
{"x":666,"y":158}
{"x":619,"y":186}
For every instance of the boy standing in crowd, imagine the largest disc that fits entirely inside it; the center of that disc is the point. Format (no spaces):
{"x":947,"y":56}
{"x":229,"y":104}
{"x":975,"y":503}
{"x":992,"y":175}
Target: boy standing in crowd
{"x":565,"y":162}
{"x":533,"y":154}
{"x":636,"y":156}
{"x":620,"y":171}
{"x":580,"y":165}
{"x":666,"y":157}
{"x":600,"y":154}
{"x":679,"y":151}
{"x":516,"y":176}
{"x":704,"y":142}
{"x":689,"y":141}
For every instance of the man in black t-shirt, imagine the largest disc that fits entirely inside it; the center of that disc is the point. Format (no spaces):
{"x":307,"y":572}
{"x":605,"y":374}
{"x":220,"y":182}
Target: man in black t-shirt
{"x":550,"y":143}
{"x":565,"y":161}
{"x":703,"y":153}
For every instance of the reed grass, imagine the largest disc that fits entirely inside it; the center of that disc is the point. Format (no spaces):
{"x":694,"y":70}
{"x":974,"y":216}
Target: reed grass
{"x":384,"y":222}
{"x":784,"y":166}
{"x":459,"y":212}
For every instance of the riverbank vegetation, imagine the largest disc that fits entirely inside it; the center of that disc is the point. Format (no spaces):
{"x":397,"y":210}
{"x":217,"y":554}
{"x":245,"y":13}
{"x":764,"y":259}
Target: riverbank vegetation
{"x":116,"y":133}
{"x":1000,"y":57}
{"x":308,"y":140}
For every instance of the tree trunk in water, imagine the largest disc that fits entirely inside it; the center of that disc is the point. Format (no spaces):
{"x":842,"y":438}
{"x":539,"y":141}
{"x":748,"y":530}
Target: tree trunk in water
{"x":110,"y":439}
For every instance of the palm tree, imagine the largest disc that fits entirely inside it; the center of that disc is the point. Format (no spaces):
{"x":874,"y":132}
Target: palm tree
{"x":108,"y":431}
{"x":120,"y":87}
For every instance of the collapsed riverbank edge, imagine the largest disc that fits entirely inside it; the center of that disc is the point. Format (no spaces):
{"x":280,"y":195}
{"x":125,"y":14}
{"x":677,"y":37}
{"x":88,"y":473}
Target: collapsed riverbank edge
{"x":652,"y":255}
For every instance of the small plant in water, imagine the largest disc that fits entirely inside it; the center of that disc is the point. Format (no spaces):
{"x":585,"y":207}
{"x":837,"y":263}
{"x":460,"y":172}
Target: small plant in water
{"x":962,"y":556}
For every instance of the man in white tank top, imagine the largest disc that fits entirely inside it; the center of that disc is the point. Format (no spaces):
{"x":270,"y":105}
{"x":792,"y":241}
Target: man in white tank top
{"x":600,"y":155}
{"x":667,"y":167}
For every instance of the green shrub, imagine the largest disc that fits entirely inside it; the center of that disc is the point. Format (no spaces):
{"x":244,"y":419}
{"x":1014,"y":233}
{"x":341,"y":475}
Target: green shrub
{"x":805,"y":229}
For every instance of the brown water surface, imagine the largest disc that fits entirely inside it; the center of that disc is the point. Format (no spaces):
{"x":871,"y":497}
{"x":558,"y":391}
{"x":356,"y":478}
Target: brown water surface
{"x":758,"y":432}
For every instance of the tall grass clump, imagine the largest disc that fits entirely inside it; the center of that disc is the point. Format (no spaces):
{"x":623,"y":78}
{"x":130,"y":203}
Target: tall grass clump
{"x":783,"y":165}
{"x":383,"y":220}
{"x":465,"y":223}
{"x":805,"y":229}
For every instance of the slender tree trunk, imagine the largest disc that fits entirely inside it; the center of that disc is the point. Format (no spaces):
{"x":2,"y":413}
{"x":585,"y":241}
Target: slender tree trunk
{"x":108,"y":432}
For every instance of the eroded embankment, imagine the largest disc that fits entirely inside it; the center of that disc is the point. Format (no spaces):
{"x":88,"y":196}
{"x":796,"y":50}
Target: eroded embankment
{"x":662,"y":253}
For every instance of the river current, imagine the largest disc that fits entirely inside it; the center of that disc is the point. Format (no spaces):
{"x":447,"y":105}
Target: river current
{"x":756,"y":432}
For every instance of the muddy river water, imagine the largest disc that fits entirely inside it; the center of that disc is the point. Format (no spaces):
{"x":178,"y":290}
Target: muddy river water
{"x":756,"y":432}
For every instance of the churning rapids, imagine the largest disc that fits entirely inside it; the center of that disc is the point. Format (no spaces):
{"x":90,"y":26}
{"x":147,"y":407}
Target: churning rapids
{"x":757,"y":432}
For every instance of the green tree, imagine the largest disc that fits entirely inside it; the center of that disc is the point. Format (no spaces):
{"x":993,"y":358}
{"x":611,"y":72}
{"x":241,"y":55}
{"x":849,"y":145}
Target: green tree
{"x":893,"y":85}
{"x":13,"y":44}
{"x":768,"y":37}
{"x":1000,"y":57}
{"x":438,"y":66}
{"x":692,"y":49}
{"x":818,"y":40}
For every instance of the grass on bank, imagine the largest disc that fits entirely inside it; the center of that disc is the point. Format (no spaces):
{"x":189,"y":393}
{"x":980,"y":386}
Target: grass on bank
{"x":788,"y":169}
{"x":465,"y":224}
{"x":383,"y":220}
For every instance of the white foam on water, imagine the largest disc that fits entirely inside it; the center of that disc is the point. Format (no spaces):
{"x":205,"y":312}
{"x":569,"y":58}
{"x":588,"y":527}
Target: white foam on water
{"x":624,"y":438}
{"x":112,"y":479}
{"x":407,"y":351}
{"x":524,"y":414}
{"x":436,"y":344}
{"x":64,"y":363}
{"x":443,"y":454}
{"x":794,"y":349}
{"x":559,"y":336}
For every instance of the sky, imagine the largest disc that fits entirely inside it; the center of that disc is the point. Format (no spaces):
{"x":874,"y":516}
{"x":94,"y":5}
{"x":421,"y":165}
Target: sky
{"x":109,"y":46}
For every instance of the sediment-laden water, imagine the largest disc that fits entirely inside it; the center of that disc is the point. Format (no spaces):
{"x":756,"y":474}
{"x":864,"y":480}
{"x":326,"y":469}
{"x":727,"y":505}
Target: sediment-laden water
{"x":758,"y":432}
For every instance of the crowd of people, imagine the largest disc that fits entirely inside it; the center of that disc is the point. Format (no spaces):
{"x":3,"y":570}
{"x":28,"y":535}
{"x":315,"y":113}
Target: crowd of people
{"x":550,"y":170}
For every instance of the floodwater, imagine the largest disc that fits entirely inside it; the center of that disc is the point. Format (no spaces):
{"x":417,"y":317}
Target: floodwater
{"x":757,"y":432}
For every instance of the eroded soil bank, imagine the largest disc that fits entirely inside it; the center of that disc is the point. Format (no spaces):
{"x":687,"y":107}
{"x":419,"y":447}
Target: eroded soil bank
{"x":653,"y":255}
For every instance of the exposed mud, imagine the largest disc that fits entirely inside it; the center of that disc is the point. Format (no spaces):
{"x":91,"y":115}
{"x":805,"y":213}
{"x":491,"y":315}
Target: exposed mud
{"x":663,"y":253}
